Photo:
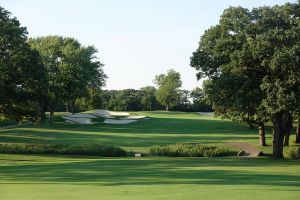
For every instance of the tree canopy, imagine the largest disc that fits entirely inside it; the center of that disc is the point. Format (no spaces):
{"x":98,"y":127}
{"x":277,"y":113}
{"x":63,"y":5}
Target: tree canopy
{"x":168,"y":88}
{"x":252,"y":61}
{"x":22,"y":76}
{"x":72,"y":69}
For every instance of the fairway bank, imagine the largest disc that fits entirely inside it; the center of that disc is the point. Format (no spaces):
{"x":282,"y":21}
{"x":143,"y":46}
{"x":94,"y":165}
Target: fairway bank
{"x":161,"y":129}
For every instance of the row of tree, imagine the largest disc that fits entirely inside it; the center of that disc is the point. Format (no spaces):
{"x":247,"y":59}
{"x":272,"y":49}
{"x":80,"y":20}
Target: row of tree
{"x":252,"y":61}
{"x":37,"y":74}
{"x":148,"y":98}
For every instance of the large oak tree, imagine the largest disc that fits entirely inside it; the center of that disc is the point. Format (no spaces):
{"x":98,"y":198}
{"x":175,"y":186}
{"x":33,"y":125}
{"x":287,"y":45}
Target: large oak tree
{"x":252,"y":59}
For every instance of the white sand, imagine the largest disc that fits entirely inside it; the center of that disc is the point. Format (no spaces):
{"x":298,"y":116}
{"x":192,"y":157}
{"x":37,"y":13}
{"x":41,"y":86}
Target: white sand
{"x":120,"y":121}
{"x":104,"y":116}
{"x":71,"y":122}
{"x":85,"y":118}
{"x":79,"y":120}
{"x":121,"y":114}
{"x":81,"y":115}
{"x":135,"y":117}
{"x":205,"y":113}
{"x":102,"y":112}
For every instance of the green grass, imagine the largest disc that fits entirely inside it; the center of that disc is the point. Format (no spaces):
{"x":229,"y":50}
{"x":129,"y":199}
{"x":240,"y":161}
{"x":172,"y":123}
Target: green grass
{"x":36,"y":177}
{"x":6,"y":122}
{"x":89,"y":178}
{"x":163,"y":128}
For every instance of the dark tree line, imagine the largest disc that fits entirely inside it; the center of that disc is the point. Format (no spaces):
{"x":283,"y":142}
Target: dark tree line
{"x":252,"y":60}
{"x":144,"y":99}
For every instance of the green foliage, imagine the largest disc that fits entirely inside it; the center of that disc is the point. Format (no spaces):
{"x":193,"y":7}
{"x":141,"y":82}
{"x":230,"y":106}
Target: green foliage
{"x":293,"y":152}
{"x":148,"y":99}
{"x":168,"y":88}
{"x":129,"y":99}
{"x":199,"y":100}
{"x":190,"y":150}
{"x":22,"y":77}
{"x":87,"y":149}
{"x":252,"y":61}
{"x":73,"y":70}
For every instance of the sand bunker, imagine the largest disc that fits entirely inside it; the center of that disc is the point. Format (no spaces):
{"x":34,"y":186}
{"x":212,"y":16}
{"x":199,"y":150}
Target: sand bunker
{"x":110,"y":114}
{"x":120,"y":114}
{"x":205,"y":113}
{"x":81,"y":115}
{"x":104,"y":116}
{"x":86,"y":118}
{"x":135,"y":117}
{"x":118,"y":121}
{"x":78,"y":120}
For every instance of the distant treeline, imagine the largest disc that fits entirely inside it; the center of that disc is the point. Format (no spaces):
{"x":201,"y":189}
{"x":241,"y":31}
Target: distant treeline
{"x":139,"y":100}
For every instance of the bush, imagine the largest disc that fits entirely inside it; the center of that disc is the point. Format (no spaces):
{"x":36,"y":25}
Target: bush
{"x":293,"y":152}
{"x":88,"y":150}
{"x":191,"y":150}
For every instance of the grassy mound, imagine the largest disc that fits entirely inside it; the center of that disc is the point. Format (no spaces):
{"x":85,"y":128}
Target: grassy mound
{"x":191,"y":150}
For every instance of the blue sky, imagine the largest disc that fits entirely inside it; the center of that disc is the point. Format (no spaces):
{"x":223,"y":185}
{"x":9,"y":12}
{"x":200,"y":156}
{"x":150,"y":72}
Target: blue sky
{"x":136,"y":39}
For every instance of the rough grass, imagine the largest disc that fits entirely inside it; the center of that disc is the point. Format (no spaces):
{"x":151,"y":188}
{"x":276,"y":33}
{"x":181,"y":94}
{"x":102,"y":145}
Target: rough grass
{"x":64,"y":149}
{"x":192,"y":150}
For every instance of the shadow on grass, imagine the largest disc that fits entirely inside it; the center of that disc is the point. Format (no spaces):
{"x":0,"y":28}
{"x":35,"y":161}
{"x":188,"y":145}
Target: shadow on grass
{"x":144,"y":133}
{"x":115,"y":172}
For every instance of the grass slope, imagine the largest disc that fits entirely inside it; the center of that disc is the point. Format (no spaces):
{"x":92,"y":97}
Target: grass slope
{"x":61,"y":178}
{"x":163,"y":128}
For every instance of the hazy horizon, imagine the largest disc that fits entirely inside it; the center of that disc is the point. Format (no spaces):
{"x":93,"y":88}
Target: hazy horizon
{"x":136,"y":40}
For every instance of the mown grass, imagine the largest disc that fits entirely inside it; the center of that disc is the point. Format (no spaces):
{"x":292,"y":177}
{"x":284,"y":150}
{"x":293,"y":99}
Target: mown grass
{"x":36,"y":177}
{"x":89,"y":178}
{"x":161,"y":129}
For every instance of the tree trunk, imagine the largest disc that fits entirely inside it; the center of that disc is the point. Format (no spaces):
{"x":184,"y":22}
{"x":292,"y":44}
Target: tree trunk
{"x":278,"y":136}
{"x":167,"y":108}
{"x":287,"y":129}
{"x":67,"y":108}
{"x":298,"y":133}
{"x":73,"y":107}
{"x":51,"y":116}
{"x":43,"y":113}
{"x":262,"y":134}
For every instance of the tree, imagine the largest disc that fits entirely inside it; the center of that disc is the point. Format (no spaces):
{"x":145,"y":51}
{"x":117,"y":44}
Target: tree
{"x":22,"y":77}
{"x":199,"y":100}
{"x":252,"y":59}
{"x":72,"y":69}
{"x":148,"y":99}
{"x":168,"y":88}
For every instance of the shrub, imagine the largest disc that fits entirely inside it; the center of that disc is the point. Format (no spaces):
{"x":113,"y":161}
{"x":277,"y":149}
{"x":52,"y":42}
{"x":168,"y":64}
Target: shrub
{"x":190,"y":150}
{"x":293,"y":152}
{"x":88,"y":149}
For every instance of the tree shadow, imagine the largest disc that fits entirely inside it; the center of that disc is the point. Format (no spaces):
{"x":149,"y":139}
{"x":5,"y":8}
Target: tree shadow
{"x":144,"y":133}
{"x":115,"y":172}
